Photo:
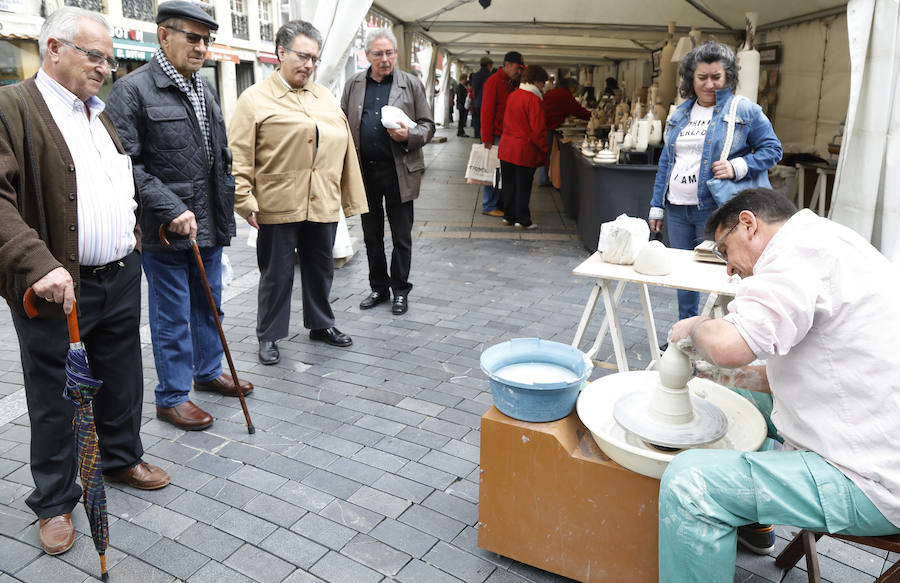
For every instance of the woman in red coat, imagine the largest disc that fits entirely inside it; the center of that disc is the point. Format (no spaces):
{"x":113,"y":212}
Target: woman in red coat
{"x":523,"y":146}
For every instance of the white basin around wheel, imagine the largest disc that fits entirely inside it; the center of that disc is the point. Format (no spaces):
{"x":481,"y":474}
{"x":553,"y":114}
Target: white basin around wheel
{"x":746,"y":426}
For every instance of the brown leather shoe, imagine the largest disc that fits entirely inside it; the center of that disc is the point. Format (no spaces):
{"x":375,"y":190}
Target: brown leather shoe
{"x":493,"y":213}
{"x":185,"y":416}
{"x":224,"y":384}
{"x":143,"y":476}
{"x":57,"y":534}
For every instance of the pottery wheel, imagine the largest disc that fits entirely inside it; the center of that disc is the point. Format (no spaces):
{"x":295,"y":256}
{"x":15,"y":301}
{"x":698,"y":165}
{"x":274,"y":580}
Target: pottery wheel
{"x":709,"y":423}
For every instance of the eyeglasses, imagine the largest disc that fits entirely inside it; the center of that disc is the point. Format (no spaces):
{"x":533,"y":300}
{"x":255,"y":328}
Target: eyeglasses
{"x":193,"y":37}
{"x":377,"y":55}
{"x":723,"y":256}
{"x":95,"y":57}
{"x":304,"y":57}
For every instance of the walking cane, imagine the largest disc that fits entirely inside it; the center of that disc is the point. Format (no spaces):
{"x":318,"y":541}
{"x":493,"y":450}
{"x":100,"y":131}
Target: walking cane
{"x":215,"y":312}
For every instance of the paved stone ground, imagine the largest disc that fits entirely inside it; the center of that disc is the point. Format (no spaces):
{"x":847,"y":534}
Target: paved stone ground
{"x":364,"y":466}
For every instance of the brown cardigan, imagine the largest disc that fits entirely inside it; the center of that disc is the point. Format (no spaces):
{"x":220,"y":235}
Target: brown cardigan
{"x":38,"y":198}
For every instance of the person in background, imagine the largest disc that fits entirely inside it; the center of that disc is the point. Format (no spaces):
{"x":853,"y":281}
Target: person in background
{"x":478,"y":79}
{"x":71,"y":231}
{"x":612,"y":85}
{"x":462,"y":92}
{"x":690,"y":157}
{"x":294,"y":167}
{"x":392,"y":163}
{"x":818,"y":304}
{"x":170,"y":123}
{"x":493,"y":103}
{"x":523,"y":146}
{"x":559,"y":104}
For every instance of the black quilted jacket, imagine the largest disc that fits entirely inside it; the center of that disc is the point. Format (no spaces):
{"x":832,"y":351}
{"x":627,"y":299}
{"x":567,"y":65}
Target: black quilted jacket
{"x":159,"y":130}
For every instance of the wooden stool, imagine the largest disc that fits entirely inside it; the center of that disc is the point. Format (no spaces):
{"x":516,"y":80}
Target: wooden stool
{"x":805,"y":544}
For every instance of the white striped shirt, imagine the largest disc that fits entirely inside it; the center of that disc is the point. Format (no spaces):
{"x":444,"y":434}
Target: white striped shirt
{"x":103,"y":176}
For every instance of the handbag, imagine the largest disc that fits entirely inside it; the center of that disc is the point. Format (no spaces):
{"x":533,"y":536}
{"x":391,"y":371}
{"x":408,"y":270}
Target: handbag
{"x":724,"y":190}
{"x":483,"y":167}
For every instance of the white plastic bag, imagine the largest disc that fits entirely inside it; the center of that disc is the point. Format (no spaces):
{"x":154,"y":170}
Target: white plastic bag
{"x":622,"y":239}
{"x":227,"y":272}
{"x":390,"y":115}
{"x":483,"y":165}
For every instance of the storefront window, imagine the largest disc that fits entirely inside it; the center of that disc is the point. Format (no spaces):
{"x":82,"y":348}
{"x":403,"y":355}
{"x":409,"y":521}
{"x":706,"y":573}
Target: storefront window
{"x":19,"y":59}
{"x":139,"y":9}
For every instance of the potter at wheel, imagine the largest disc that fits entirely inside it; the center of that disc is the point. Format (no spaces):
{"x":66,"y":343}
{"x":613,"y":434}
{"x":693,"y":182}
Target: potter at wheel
{"x":668,"y":415}
{"x":745,"y":426}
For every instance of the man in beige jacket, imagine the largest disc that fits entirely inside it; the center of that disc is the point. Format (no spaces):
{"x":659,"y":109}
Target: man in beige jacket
{"x":294,"y":166}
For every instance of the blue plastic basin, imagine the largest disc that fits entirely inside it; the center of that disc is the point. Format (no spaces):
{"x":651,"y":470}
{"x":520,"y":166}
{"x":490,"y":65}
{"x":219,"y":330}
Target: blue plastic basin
{"x":535,"y":380}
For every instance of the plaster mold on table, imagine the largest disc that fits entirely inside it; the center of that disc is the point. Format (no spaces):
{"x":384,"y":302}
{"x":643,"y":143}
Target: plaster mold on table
{"x":653,"y":259}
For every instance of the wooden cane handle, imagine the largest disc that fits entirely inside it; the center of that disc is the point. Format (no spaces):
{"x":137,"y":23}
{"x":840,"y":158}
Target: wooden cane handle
{"x":71,"y":318}
{"x":162,"y":234}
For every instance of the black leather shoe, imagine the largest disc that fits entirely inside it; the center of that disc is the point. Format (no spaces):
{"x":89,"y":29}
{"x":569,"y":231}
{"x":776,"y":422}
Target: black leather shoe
{"x":373,"y":300}
{"x":268,"y":352}
{"x":332,"y":336}
{"x":400,"y":305}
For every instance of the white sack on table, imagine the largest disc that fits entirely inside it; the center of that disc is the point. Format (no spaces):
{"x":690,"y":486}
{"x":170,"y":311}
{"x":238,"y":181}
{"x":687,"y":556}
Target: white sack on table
{"x":621,"y":240}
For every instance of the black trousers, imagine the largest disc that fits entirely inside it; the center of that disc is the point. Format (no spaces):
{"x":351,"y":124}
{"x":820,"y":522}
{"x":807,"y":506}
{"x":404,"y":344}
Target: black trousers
{"x":463,"y":116}
{"x":516,"y":192}
{"x":381,"y":183}
{"x":275,"y":257}
{"x":109,"y":317}
{"x":476,"y":121}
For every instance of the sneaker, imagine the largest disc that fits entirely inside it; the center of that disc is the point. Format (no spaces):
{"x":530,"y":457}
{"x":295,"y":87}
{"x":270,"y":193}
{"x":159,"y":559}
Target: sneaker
{"x":506,"y":222}
{"x":528,"y":228}
{"x":757,"y":538}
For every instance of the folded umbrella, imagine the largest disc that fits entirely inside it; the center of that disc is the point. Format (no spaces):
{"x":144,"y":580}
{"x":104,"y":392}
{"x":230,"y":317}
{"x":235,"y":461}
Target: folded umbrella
{"x":80,"y":388}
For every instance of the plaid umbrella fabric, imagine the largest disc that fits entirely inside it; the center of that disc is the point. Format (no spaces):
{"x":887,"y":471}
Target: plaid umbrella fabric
{"x":80,"y":389}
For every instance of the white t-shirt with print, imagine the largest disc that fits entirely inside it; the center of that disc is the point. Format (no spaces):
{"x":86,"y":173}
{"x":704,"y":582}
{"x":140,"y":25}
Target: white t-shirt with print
{"x":688,"y":152}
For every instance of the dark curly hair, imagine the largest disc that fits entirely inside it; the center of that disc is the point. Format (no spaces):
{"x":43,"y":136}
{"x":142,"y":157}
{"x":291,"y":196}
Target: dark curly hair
{"x":291,"y":30}
{"x":708,"y":52}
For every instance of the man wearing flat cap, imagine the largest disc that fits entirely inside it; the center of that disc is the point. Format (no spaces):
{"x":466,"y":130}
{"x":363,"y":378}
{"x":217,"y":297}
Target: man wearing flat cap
{"x":171,"y":125}
{"x":493,"y":104}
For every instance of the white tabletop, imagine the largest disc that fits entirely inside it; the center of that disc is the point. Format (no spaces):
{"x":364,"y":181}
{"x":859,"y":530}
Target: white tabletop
{"x":687,"y":273}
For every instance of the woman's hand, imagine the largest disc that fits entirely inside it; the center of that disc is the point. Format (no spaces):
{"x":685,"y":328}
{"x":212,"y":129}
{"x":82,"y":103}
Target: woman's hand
{"x":722,"y":170}
{"x":655,"y":225}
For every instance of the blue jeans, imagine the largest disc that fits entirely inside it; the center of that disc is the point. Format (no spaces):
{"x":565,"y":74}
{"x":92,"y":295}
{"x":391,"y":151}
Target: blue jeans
{"x":490,"y":197}
{"x":686,"y":224}
{"x":705,"y":494}
{"x":186,"y":344}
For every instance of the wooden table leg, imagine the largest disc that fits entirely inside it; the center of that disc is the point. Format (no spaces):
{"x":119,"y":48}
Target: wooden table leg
{"x":650,"y":324}
{"x":586,"y":318}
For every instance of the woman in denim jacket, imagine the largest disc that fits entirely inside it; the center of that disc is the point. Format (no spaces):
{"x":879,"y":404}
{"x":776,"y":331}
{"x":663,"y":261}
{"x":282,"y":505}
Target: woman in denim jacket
{"x":694,"y":138}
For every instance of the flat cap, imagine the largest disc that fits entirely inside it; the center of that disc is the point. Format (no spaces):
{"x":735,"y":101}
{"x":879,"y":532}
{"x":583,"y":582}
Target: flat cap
{"x":513,"y":57}
{"x":187,"y":10}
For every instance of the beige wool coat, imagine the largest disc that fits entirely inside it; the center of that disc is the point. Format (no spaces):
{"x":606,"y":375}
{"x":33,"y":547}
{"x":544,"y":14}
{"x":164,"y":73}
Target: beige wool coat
{"x":294,"y":157}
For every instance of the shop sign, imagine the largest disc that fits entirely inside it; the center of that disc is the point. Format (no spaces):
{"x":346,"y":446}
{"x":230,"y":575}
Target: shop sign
{"x":270,"y":58}
{"x":133,"y":50}
{"x":222,"y":54}
{"x":125,"y":33}
{"x":12,"y":5}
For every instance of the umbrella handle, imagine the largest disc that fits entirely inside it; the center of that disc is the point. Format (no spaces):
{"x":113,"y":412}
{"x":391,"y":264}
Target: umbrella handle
{"x":71,"y":318}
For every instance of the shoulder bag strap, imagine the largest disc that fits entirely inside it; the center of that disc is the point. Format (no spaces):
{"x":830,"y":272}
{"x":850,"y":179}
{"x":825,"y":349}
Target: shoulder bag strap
{"x":729,"y":135}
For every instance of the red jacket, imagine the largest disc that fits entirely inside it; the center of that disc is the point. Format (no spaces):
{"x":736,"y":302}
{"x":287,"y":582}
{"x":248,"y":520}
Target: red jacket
{"x":559,"y":103}
{"x":493,"y":102}
{"x":524,"y":139}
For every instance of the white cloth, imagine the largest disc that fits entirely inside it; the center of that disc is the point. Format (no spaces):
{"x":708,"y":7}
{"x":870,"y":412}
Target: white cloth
{"x":821,"y":307}
{"x":688,"y":154}
{"x":103,"y":176}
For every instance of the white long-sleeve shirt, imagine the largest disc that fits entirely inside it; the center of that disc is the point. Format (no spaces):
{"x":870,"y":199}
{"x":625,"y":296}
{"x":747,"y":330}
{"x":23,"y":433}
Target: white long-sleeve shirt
{"x":103,"y":176}
{"x":823,"y":308}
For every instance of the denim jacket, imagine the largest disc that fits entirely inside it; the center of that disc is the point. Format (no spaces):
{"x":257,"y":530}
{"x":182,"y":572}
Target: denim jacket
{"x":755,"y":147}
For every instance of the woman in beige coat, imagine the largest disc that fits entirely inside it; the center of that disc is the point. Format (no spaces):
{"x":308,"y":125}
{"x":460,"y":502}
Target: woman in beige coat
{"x":295,"y":166}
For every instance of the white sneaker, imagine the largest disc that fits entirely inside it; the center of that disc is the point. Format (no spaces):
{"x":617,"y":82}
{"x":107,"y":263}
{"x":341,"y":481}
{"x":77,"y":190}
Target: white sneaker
{"x":505,"y":222}
{"x":528,"y":228}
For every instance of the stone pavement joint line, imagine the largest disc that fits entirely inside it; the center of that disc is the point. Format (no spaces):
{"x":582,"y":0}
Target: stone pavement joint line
{"x":364,"y":466}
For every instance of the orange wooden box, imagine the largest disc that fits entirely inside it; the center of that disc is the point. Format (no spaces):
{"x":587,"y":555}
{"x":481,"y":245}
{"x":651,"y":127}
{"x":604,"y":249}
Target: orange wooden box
{"x":551,"y":499}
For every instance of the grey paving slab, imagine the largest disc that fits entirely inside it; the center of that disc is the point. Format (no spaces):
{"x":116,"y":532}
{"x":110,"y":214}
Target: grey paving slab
{"x":274,"y":510}
{"x":459,"y":563}
{"x":210,"y":541}
{"x":259,"y":565}
{"x":244,"y":525}
{"x":293,"y":548}
{"x":217,"y":573}
{"x":47,"y":568}
{"x":324,"y":531}
{"x":174,"y":558}
{"x":375,"y":555}
{"x":336,"y":568}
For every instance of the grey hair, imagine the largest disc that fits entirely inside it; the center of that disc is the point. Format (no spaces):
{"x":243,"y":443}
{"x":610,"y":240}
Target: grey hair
{"x":291,"y":30}
{"x":63,"y":24}
{"x":709,"y":52}
{"x":377,"y":33}
{"x":173,"y":22}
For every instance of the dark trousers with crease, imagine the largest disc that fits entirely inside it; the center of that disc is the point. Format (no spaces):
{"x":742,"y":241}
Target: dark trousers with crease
{"x":516,"y":192}
{"x":109,"y":317}
{"x":383,"y":196}
{"x":463,"y":117}
{"x":275,"y":257}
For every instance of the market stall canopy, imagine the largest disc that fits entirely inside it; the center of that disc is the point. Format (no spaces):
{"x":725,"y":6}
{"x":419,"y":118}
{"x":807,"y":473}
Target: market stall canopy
{"x":567,"y":32}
